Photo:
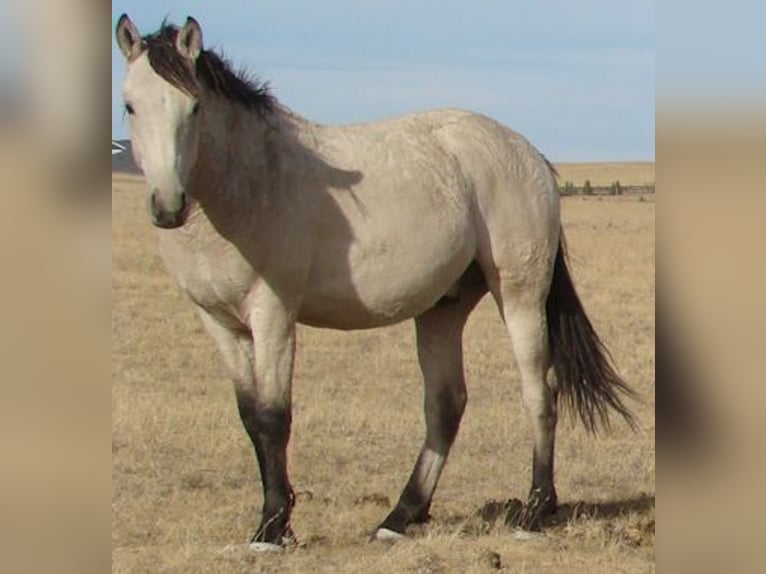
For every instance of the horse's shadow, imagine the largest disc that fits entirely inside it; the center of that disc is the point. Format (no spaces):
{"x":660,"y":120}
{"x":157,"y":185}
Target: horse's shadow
{"x":515,"y":514}
{"x":568,"y":512}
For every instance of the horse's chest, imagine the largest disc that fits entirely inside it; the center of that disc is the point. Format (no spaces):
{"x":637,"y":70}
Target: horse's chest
{"x":216,"y":280}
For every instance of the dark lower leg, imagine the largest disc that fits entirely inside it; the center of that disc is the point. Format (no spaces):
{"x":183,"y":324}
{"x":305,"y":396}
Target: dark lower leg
{"x":415,"y":501}
{"x":269,"y":430}
{"x":542,"y":499}
{"x":443,"y":420}
{"x":542,"y":496}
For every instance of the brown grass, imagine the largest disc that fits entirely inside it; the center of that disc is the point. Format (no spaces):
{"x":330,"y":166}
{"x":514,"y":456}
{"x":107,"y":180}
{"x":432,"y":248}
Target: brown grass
{"x":605,"y":173}
{"x":186,"y":491}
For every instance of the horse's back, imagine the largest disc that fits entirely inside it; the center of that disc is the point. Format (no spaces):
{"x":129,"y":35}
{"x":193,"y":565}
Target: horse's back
{"x":472,"y":157}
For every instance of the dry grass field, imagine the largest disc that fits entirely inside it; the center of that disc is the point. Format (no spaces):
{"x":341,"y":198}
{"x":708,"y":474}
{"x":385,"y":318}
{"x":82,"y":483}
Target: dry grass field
{"x":186,"y":491}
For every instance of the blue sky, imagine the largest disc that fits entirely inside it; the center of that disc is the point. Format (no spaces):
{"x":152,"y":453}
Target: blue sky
{"x":576,"y":78}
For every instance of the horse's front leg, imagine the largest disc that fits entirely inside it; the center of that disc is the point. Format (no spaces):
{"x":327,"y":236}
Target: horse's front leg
{"x":261,"y":365}
{"x":265,"y":409}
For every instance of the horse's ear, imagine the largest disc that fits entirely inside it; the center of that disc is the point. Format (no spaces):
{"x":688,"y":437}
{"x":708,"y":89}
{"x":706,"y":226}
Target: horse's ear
{"x":128,"y":38}
{"x":189,"y":41}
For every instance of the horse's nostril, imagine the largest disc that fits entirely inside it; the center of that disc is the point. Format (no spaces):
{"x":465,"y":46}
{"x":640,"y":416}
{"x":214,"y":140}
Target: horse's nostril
{"x":164,"y":217}
{"x":153,"y":204}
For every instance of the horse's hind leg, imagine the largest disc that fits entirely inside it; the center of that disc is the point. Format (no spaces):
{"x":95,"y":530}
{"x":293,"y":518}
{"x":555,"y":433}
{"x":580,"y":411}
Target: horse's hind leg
{"x":523,"y":309}
{"x":440,"y":353}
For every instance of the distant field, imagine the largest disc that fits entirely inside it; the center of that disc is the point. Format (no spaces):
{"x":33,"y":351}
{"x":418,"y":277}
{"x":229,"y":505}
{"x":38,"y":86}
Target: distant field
{"x":186,"y":492}
{"x":627,"y":173}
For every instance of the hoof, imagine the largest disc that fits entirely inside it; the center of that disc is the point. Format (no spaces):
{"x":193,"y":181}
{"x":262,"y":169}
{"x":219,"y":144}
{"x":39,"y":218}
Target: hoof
{"x":525,"y":535}
{"x":387,"y":535}
{"x":264,"y":547}
{"x":540,"y":505}
{"x":288,"y":541}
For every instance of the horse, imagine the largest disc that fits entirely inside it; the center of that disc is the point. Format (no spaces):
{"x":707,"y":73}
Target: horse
{"x":267,"y":220}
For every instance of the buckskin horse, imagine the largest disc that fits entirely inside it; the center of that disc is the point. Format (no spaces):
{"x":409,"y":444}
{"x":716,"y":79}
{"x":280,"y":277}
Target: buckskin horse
{"x":268,"y":220}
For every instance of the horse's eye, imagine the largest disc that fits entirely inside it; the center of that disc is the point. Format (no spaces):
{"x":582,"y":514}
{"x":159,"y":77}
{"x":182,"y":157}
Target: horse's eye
{"x":195,"y":109}
{"x":129,"y":109}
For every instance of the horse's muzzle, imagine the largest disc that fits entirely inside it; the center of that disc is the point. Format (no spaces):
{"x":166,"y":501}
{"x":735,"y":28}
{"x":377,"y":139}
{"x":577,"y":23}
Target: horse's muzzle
{"x":168,"y":218}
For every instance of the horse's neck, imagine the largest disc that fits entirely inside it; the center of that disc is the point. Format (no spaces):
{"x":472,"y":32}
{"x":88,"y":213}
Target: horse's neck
{"x":241,"y":152}
{"x":242,"y":174}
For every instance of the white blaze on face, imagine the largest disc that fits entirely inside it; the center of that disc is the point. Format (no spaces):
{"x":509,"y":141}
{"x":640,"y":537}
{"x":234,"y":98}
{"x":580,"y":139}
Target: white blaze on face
{"x":163,"y":131}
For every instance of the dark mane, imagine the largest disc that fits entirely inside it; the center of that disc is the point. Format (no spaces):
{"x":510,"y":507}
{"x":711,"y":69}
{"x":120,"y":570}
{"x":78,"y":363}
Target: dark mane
{"x":212,"y":71}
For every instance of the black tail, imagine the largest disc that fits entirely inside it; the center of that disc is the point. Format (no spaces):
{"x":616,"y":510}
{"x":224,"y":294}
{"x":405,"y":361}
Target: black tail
{"x":588,"y":384}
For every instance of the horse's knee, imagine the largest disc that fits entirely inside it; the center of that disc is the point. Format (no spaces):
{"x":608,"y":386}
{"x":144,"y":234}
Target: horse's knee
{"x":274,"y":423}
{"x":272,"y":420}
{"x":452,"y":401}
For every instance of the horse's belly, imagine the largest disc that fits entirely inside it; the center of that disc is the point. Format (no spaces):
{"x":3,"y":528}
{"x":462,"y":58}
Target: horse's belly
{"x":384,"y":289}
{"x":351,"y":310}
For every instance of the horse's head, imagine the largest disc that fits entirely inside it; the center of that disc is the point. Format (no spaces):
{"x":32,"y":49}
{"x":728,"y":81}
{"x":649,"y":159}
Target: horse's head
{"x":162,"y":101}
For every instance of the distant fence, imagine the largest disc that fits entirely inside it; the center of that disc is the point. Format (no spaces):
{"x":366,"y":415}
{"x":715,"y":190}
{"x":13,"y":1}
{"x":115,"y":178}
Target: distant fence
{"x":567,"y":188}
